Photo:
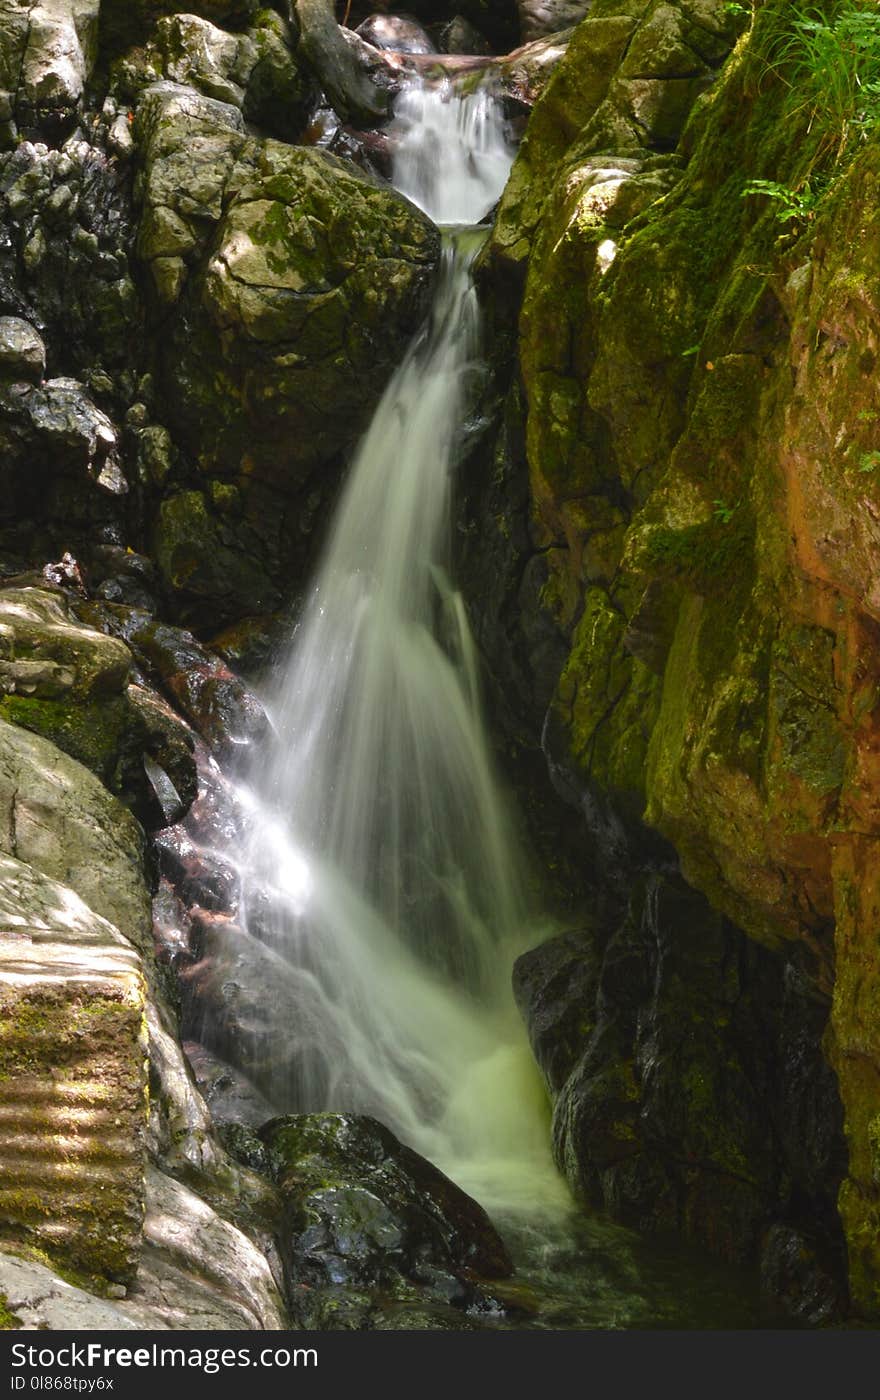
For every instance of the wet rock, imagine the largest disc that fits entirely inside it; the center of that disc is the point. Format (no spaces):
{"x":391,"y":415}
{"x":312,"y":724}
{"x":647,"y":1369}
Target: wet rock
{"x":46,"y":55}
{"x":399,"y":33}
{"x":232,"y":1099}
{"x":801,"y":1276}
{"x":72,"y":1050}
{"x":250,"y":646}
{"x":240,"y":999}
{"x":217,"y":703}
{"x":64,"y":259}
{"x":121,"y":575}
{"x":669,"y":1044}
{"x":555,"y":987}
{"x":372,"y":1222}
{"x":460,"y":36}
{"x":22,"y":352}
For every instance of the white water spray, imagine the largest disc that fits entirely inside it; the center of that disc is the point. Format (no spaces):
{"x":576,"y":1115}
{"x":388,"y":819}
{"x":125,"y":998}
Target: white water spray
{"x":381,"y":870}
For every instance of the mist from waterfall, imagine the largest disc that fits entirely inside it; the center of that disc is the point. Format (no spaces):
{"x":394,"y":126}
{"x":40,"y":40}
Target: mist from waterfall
{"x":381,"y":875}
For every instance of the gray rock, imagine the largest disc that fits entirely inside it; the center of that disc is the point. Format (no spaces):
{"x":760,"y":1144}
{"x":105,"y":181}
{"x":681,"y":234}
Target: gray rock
{"x":58,"y":817}
{"x":47,"y":51}
{"x":43,"y":1302}
{"x":22,"y":352}
{"x":255,"y":71}
{"x":198,"y":1271}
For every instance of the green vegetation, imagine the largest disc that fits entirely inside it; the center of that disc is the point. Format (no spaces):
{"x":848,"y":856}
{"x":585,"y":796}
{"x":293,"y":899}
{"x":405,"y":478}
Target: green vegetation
{"x":829,"y":58}
{"x":792,"y":204}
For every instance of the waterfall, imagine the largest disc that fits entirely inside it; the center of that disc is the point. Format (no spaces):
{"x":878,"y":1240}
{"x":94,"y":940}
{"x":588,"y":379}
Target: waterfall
{"x":380,"y":873}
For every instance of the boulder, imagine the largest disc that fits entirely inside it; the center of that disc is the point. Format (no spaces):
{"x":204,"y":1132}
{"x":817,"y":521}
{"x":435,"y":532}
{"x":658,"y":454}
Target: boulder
{"x":398,"y":33}
{"x":368,"y":1222}
{"x":73,"y":1107}
{"x":46,"y":654}
{"x":538,"y":18}
{"x":254,"y":71}
{"x":68,"y":682}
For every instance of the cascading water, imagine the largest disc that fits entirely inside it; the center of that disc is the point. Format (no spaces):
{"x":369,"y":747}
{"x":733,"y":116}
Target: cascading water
{"x":380,"y":869}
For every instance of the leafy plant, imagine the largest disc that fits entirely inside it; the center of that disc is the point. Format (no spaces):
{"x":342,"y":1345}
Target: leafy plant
{"x":869,"y":461}
{"x":792,"y":204}
{"x":723,"y":513}
{"x":831,"y":64}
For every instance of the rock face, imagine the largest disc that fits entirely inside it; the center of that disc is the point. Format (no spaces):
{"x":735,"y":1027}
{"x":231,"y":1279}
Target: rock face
{"x":198,"y":1270}
{"x":294,"y":283}
{"x":690,"y":1090}
{"x":46,"y":55}
{"x":698,"y":428}
{"x":73,"y":1108}
{"x":372,"y":1232}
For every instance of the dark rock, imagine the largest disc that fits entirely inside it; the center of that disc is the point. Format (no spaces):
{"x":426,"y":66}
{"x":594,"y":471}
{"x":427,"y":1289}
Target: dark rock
{"x":371,"y":1219}
{"x":801,"y":1276}
{"x":460,"y":36}
{"x":399,"y":33}
{"x":555,"y":987}
{"x":541,"y":17}
{"x":217,"y":703}
{"x":691,"y":1092}
{"x":232,"y":1099}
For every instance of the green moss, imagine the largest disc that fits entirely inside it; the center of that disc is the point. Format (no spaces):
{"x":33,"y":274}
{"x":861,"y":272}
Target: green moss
{"x":607,"y":701}
{"x":8,"y":1320}
{"x":93,"y":733}
{"x":704,"y":556}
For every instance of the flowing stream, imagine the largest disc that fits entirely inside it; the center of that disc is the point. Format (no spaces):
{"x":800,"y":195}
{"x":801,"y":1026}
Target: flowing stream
{"x":381,"y":867}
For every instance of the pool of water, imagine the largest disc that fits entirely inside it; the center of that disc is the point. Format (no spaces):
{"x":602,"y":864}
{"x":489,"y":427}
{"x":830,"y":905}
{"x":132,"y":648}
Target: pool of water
{"x":588,"y":1273}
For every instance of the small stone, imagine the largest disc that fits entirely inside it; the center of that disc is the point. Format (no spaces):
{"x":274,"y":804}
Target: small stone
{"x":22,"y":352}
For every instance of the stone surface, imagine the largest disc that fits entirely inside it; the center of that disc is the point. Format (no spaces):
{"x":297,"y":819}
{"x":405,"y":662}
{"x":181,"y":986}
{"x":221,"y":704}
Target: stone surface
{"x":687,"y":1071}
{"x":39,"y":1301}
{"x":199,"y":1271}
{"x":370,"y":1223}
{"x":22,"y":352}
{"x":46,"y":654}
{"x":73,"y":1108}
{"x":254,"y":71}
{"x":699,"y":427}
{"x":46,"y":55}
{"x":294,"y":283}
{"x":59,"y":818}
